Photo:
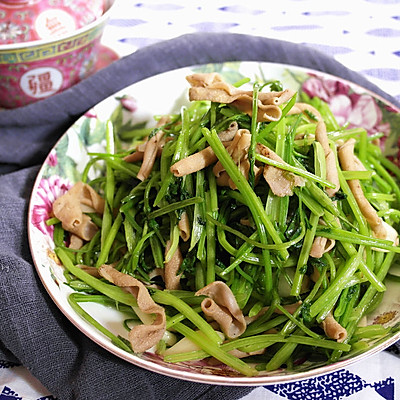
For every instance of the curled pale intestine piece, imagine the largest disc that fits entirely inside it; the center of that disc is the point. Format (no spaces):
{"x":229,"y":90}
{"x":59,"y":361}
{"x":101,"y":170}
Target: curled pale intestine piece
{"x":75,"y":242}
{"x":184,"y":227}
{"x":221,"y":305}
{"x":171,"y":267}
{"x":148,"y":151}
{"x":70,"y":208}
{"x":322,"y":137}
{"x":149,"y":155}
{"x":194,"y":162}
{"x":228,"y":134}
{"x":145,"y":336}
{"x":321,"y":245}
{"x":237,"y":145}
{"x":211,"y":86}
{"x":138,"y":155}
{"x":244,"y":168}
{"x":333,"y":329}
{"x":349,"y":162}
{"x":223,"y":178}
{"x":331,"y":168}
{"x":238,"y":149}
{"x":281,"y":182}
{"x":203,"y":158}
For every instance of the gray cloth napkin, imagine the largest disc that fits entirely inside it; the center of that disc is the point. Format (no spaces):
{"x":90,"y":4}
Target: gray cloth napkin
{"x":32,"y":330}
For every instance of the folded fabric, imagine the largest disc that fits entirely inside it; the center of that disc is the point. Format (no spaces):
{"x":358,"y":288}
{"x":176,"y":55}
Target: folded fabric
{"x":33,"y":331}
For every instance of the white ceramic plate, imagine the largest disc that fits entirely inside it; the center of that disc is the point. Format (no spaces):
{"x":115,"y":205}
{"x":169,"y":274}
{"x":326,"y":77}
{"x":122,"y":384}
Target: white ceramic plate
{"x":166,"y":93}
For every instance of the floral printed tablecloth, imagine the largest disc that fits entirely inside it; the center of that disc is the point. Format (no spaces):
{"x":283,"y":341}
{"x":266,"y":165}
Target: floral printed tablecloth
{"x":361,"y":34}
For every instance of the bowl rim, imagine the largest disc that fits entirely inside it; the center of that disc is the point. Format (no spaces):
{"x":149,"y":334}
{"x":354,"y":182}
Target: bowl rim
{"x":56,"y":39}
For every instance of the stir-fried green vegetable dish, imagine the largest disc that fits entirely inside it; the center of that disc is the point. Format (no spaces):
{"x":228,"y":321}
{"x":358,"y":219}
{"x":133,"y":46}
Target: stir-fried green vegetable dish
{"x":299,"y":269}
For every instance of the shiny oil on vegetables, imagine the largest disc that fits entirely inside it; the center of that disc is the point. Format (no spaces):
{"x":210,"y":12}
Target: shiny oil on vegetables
{"x":250,"y":228}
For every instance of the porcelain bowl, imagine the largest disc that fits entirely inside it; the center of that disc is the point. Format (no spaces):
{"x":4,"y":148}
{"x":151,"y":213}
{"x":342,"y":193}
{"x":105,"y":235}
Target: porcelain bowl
{"x":34,"y":70}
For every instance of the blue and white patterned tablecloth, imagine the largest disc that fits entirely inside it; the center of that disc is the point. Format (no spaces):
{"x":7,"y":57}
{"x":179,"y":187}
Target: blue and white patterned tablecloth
{"x":376,"y":378}
{"x":364,"y":35}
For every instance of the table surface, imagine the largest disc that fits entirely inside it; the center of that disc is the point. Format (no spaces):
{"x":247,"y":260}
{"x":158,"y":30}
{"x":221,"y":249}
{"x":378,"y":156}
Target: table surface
{"x":361,"y":34}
